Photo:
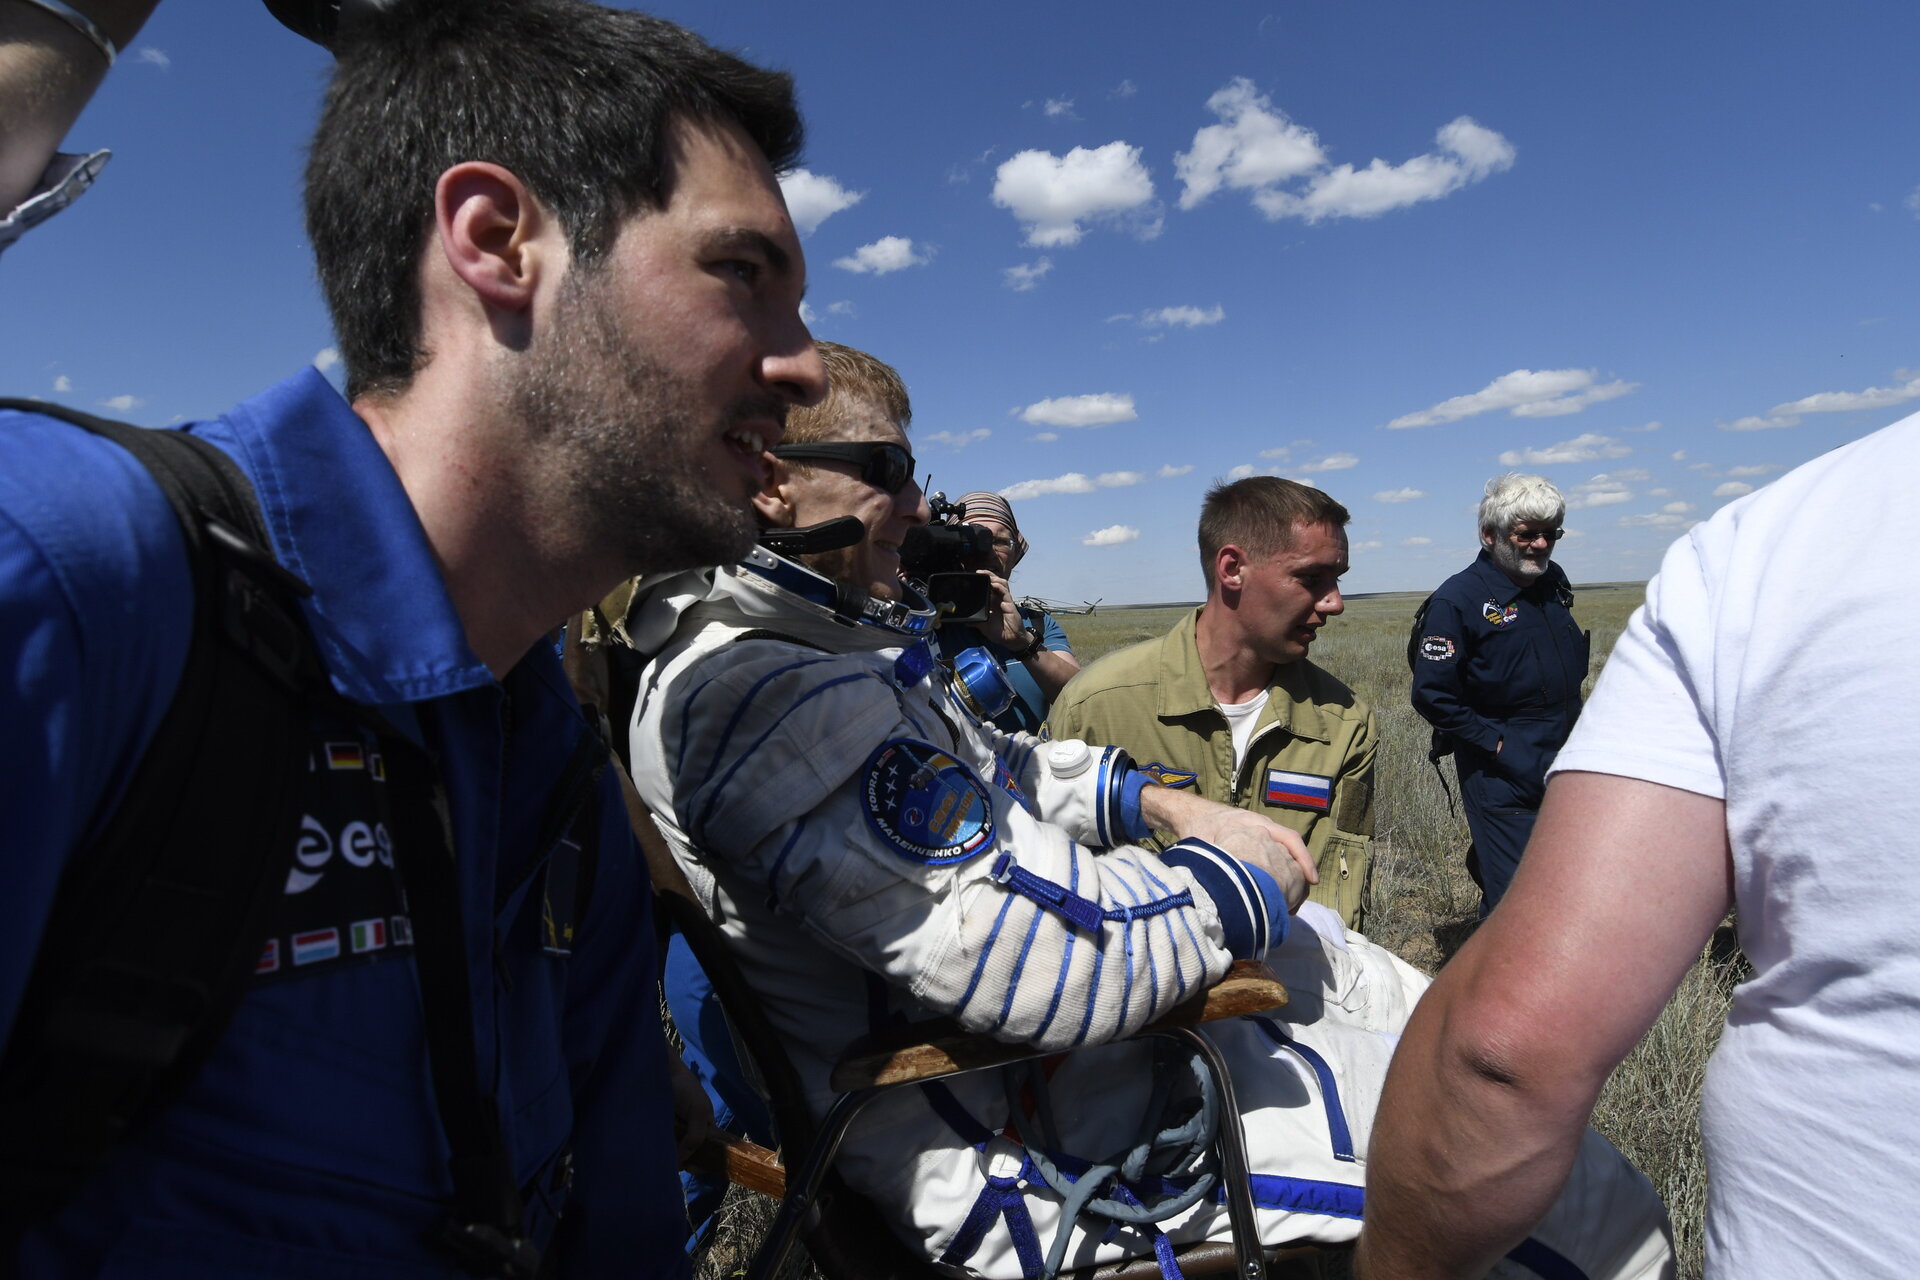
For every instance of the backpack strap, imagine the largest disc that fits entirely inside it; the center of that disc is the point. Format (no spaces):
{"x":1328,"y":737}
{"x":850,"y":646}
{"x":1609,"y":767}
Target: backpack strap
{"x":154,"y":931}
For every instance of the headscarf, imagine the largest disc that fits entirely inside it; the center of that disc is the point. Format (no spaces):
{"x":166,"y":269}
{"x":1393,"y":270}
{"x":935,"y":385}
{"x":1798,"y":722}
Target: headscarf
{"x":983,"y":502}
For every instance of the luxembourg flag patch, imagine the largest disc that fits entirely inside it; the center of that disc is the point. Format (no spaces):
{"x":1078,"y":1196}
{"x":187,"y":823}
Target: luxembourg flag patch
{"x":1308,"y":791}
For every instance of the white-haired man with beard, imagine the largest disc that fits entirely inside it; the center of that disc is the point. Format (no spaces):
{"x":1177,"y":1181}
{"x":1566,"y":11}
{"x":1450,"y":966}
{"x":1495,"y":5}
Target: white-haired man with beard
{"x":878,"y":854}
{"x":1497,"y":665}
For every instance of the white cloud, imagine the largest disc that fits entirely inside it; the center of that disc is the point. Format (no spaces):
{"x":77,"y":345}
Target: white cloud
{"x":1601,"y":491}
{"x":1096,"y":410}
{"x":1788,"y":414}
{"x":1182,"y":317}
{"x":1848,"y":401}
{"x":888,"y":253}
{"x":1629,"y":475}
{"x":1679,"y":455}
{"x":1467,"y":153}
{"x":1026,"y":275}
{"x":1371,"y":544}
{"x":1111,"y":536}
{"x":1332,"y":462}
{"x":1058,"y":107}
{"x":808,"y":316}
{"x":1045,"y":437}
{"x":1756,"y":469}
{"x":1733,"y":489}
{"x":1169,"y":471}
{"x":1399,"y":495}
{"x":812,"y":198}
{"x":1656,"y":520}
{"x":1913,"y":202}
{"x":152,"y":57}
{"x":1279,"y":454}
{"x":327,"y":358}
{"x":63,"y":383}
{"x":1253,"y":148}
{"x":1072,"y":482}
{"x":1256,"y":148}
{"x":1053,"y":195}
{"x":1416,"y":541}
{"x":1125,"y":89}
{"x":1582,"y":448}
{"x":957,"y":439}
{"x":1645,"y":426}
{"x":841,"y":308}
{"x":1678,"y":508}
{"x":1241,"y":472}
{"x":121,"y":404}
{"x":1524,"y":393}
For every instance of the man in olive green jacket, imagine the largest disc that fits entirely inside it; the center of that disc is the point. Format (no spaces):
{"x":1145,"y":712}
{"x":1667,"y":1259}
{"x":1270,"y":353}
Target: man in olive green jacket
{"x":1229,"y":703}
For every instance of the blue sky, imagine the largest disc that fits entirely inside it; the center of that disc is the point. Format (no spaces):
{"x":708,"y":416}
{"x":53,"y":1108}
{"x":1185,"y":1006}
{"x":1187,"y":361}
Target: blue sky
{"x":1656,"y":252}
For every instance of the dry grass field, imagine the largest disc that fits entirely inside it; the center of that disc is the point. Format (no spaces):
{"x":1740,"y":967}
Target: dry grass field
{"x":1423,"y":905}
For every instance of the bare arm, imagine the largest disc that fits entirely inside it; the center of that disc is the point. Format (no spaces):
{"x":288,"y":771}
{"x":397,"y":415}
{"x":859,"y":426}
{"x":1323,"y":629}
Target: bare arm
{"x":1051,"y":669}
{"x":1492,"y":1085}
{"x":48,"y":71}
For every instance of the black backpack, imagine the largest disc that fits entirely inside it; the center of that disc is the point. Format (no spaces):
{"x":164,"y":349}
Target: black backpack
{"x":154,"y":931}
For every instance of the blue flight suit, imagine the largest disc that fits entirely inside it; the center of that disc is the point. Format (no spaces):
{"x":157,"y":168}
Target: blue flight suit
{"x":1497,"y":665}
{"x":310,"y":1143}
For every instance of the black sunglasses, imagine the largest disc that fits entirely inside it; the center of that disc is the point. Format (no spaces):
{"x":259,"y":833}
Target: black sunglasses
{"x":883,"y":464}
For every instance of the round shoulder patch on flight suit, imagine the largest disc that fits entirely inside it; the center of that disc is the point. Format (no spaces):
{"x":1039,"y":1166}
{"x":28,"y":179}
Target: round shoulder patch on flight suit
{"x":925,"y":804}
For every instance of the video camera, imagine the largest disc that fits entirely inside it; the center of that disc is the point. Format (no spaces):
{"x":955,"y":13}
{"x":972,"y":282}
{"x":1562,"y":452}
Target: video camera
{"x":944,"y":559}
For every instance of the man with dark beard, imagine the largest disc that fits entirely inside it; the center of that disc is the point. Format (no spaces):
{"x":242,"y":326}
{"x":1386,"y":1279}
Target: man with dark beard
{"x":1497,"y":665}
{"x":566,"y":290}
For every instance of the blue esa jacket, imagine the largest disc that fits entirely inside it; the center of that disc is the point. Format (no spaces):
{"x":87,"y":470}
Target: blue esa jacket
{"x":310,"y":1144}
{"x":1498,"y":664}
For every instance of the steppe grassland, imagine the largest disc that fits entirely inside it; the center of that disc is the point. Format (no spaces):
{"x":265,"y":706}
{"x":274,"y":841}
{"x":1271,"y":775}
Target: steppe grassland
{"x":1423,"y":905}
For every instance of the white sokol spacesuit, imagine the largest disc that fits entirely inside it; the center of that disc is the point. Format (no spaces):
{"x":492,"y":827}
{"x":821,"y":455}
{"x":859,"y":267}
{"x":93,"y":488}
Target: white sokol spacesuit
{"x":877,"y":853}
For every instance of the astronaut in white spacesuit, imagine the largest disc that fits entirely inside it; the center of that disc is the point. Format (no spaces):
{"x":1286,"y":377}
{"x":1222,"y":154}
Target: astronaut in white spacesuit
{"x":876,"y":852}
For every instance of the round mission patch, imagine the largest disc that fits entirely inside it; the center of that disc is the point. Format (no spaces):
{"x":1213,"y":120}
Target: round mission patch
{"x":924,"y":803}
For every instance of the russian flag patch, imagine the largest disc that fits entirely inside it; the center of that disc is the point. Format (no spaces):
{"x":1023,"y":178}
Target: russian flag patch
{"x":1309,"y":791}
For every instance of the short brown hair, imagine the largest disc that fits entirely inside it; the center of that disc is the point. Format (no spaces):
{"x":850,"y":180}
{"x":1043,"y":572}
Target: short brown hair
{"x":1260,"y":514}
{"x":851,"y":375}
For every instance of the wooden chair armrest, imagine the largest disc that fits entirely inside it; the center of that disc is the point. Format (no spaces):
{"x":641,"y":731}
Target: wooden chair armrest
{"x":749,"y":1164}
{"x":930,"y":1050}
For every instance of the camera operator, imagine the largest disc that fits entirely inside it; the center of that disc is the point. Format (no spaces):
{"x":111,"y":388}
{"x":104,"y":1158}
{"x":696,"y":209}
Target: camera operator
{"x":1025,"y":641}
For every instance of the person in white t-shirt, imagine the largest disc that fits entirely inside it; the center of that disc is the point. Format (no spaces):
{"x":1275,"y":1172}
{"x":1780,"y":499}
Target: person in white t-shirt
{"x":1754,"y":744}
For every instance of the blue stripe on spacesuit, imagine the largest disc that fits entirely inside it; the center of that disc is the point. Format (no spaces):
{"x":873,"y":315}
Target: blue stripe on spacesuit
{"x":986,"y":951}
{"x":1100,"y":811}
{"x":1337,"y":1130}
{"x":720,"y":786}
{"x":1303,"y":1195}
{"x":1186,"y":922}
{"x":1019,"y":967}
{"x":780,"y":860}
{"x":1239,"y":904}
{"x":1153,"y":988}
{"x":1066,"y":952}
{"x":686,"y":711}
